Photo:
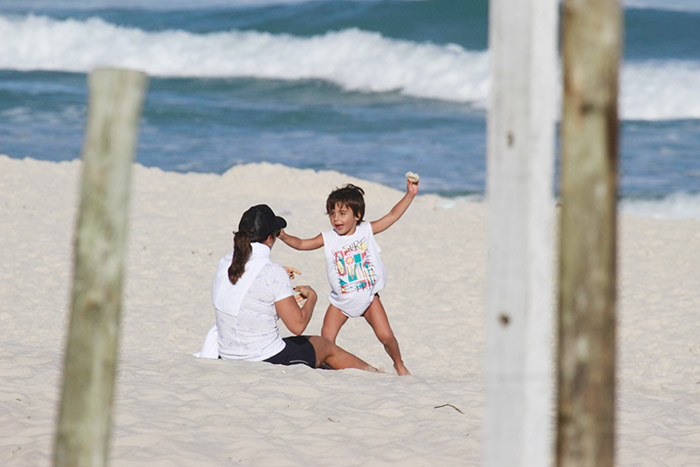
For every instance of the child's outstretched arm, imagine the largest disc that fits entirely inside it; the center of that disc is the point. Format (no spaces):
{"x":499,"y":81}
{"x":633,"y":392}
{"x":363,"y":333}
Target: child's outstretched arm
{"x":302,"y":243}
{"x":380,"y":225}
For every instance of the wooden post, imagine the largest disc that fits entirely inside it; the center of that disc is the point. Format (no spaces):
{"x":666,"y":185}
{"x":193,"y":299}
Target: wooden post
{"x":520,"y":312}
{"x":84,"y":420}
{"x":586,"y":364}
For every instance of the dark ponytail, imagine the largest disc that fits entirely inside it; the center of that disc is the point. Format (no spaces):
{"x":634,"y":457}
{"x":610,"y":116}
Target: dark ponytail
{"x":257,"y":224}
{"x":241,"y":252}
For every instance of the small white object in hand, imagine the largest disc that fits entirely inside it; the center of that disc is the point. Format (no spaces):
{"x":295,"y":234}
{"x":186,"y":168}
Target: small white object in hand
{"x":412,"y":176}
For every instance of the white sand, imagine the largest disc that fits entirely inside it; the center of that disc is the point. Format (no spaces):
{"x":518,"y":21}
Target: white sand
{"x":172,"y":409}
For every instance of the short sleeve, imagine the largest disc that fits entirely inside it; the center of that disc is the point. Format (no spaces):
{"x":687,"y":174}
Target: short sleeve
{"x":279,"y":283}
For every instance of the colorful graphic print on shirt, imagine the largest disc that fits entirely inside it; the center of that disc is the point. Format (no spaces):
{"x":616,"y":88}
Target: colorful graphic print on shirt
{"x":354,"y":267}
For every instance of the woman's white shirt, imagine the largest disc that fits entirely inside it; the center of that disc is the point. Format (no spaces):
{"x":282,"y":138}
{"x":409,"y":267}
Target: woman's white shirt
{"x":246,"y":317}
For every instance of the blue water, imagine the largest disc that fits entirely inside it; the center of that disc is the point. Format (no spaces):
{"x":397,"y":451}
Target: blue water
{"x":368,"y":88}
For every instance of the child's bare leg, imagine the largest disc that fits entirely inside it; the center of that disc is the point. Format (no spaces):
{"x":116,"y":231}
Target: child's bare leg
{"x":336,"y":357}
{"x":376,"y":317}
{"x":332,"y":322}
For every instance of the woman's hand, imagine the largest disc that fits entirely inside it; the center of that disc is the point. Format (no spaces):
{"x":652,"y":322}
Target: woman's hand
{"x":305,"y":291}
{"x":291,"y":271}
{"x":295,"y":315}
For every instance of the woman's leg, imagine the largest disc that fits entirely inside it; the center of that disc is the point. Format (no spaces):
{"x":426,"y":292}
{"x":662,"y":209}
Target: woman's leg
{"x":328,"y":352}
{"x":376,"y":317}
{"x":332,"y":322}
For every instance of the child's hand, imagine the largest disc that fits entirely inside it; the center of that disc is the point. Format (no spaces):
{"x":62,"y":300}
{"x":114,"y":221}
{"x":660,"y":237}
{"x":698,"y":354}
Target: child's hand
{"x":412,"y":183}
{"x":411,"y":187}
{"x":291,"y":271}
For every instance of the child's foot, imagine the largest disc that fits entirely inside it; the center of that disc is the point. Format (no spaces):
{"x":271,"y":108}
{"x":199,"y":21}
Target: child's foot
{"x":402,"y":370}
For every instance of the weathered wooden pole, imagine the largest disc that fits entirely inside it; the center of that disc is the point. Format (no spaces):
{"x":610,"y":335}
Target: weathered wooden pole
{"x":520,"y":310}
{"x":84,"y":421}
{"x":592,"y":40}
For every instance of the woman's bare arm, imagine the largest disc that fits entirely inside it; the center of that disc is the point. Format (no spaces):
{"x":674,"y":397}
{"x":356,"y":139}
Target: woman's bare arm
{"x":293,"y":316}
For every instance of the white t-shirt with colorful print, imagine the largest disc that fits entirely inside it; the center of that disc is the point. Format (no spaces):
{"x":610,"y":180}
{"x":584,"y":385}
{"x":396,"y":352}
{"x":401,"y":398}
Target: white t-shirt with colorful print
{"x":355,"y":269}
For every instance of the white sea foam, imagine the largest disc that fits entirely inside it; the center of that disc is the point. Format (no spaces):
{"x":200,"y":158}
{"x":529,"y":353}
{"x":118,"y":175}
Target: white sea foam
{"x":674,"y":206}
{"x":353,"y":59}
{"x":660,"y":90}
{"x":149,"y":4}
{"x":679,"y":5}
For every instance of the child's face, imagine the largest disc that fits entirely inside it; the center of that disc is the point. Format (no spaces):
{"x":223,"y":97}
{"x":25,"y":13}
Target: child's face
{"x":343,"y":219}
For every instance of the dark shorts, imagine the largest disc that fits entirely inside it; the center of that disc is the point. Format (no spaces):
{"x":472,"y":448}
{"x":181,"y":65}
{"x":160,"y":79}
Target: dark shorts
{"x":298,"y":349}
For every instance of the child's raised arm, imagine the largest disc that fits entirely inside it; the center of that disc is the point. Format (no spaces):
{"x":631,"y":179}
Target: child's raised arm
{"x":302,"y":244}
{"x":380,"y":225}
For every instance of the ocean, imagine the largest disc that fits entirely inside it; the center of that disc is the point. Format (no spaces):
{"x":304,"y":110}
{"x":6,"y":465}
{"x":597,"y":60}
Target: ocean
{"x":371,"y":88}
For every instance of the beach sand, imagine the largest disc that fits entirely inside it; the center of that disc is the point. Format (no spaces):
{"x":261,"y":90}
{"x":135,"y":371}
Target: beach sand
{"x":172,"y":409}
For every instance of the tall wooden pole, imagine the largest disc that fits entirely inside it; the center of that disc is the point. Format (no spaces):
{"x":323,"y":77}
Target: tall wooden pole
{"x":586,"y":365}
{"x":84,"y":420}
{"x":520,"y":312}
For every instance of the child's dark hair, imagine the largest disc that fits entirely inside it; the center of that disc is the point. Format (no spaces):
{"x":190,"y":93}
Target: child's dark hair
{"x":348,"y":195}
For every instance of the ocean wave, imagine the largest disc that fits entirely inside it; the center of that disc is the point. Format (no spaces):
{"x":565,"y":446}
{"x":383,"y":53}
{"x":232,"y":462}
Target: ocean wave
{"x":152,"y":4}
{"x":675,"y":206}
{"x":353,"y":59}
{"x":660,"y":90}
{"x":673,"y":5}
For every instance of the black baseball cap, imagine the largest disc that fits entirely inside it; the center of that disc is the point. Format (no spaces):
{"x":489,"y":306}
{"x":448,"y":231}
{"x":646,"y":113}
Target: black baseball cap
{"x":261,"y":221}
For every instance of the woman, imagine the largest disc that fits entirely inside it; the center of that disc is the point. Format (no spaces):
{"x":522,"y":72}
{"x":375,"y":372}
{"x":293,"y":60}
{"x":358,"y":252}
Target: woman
{"x":251,"y":293}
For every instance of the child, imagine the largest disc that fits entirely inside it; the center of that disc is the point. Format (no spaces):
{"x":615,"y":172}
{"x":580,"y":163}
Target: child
{"x":355,"y":270}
